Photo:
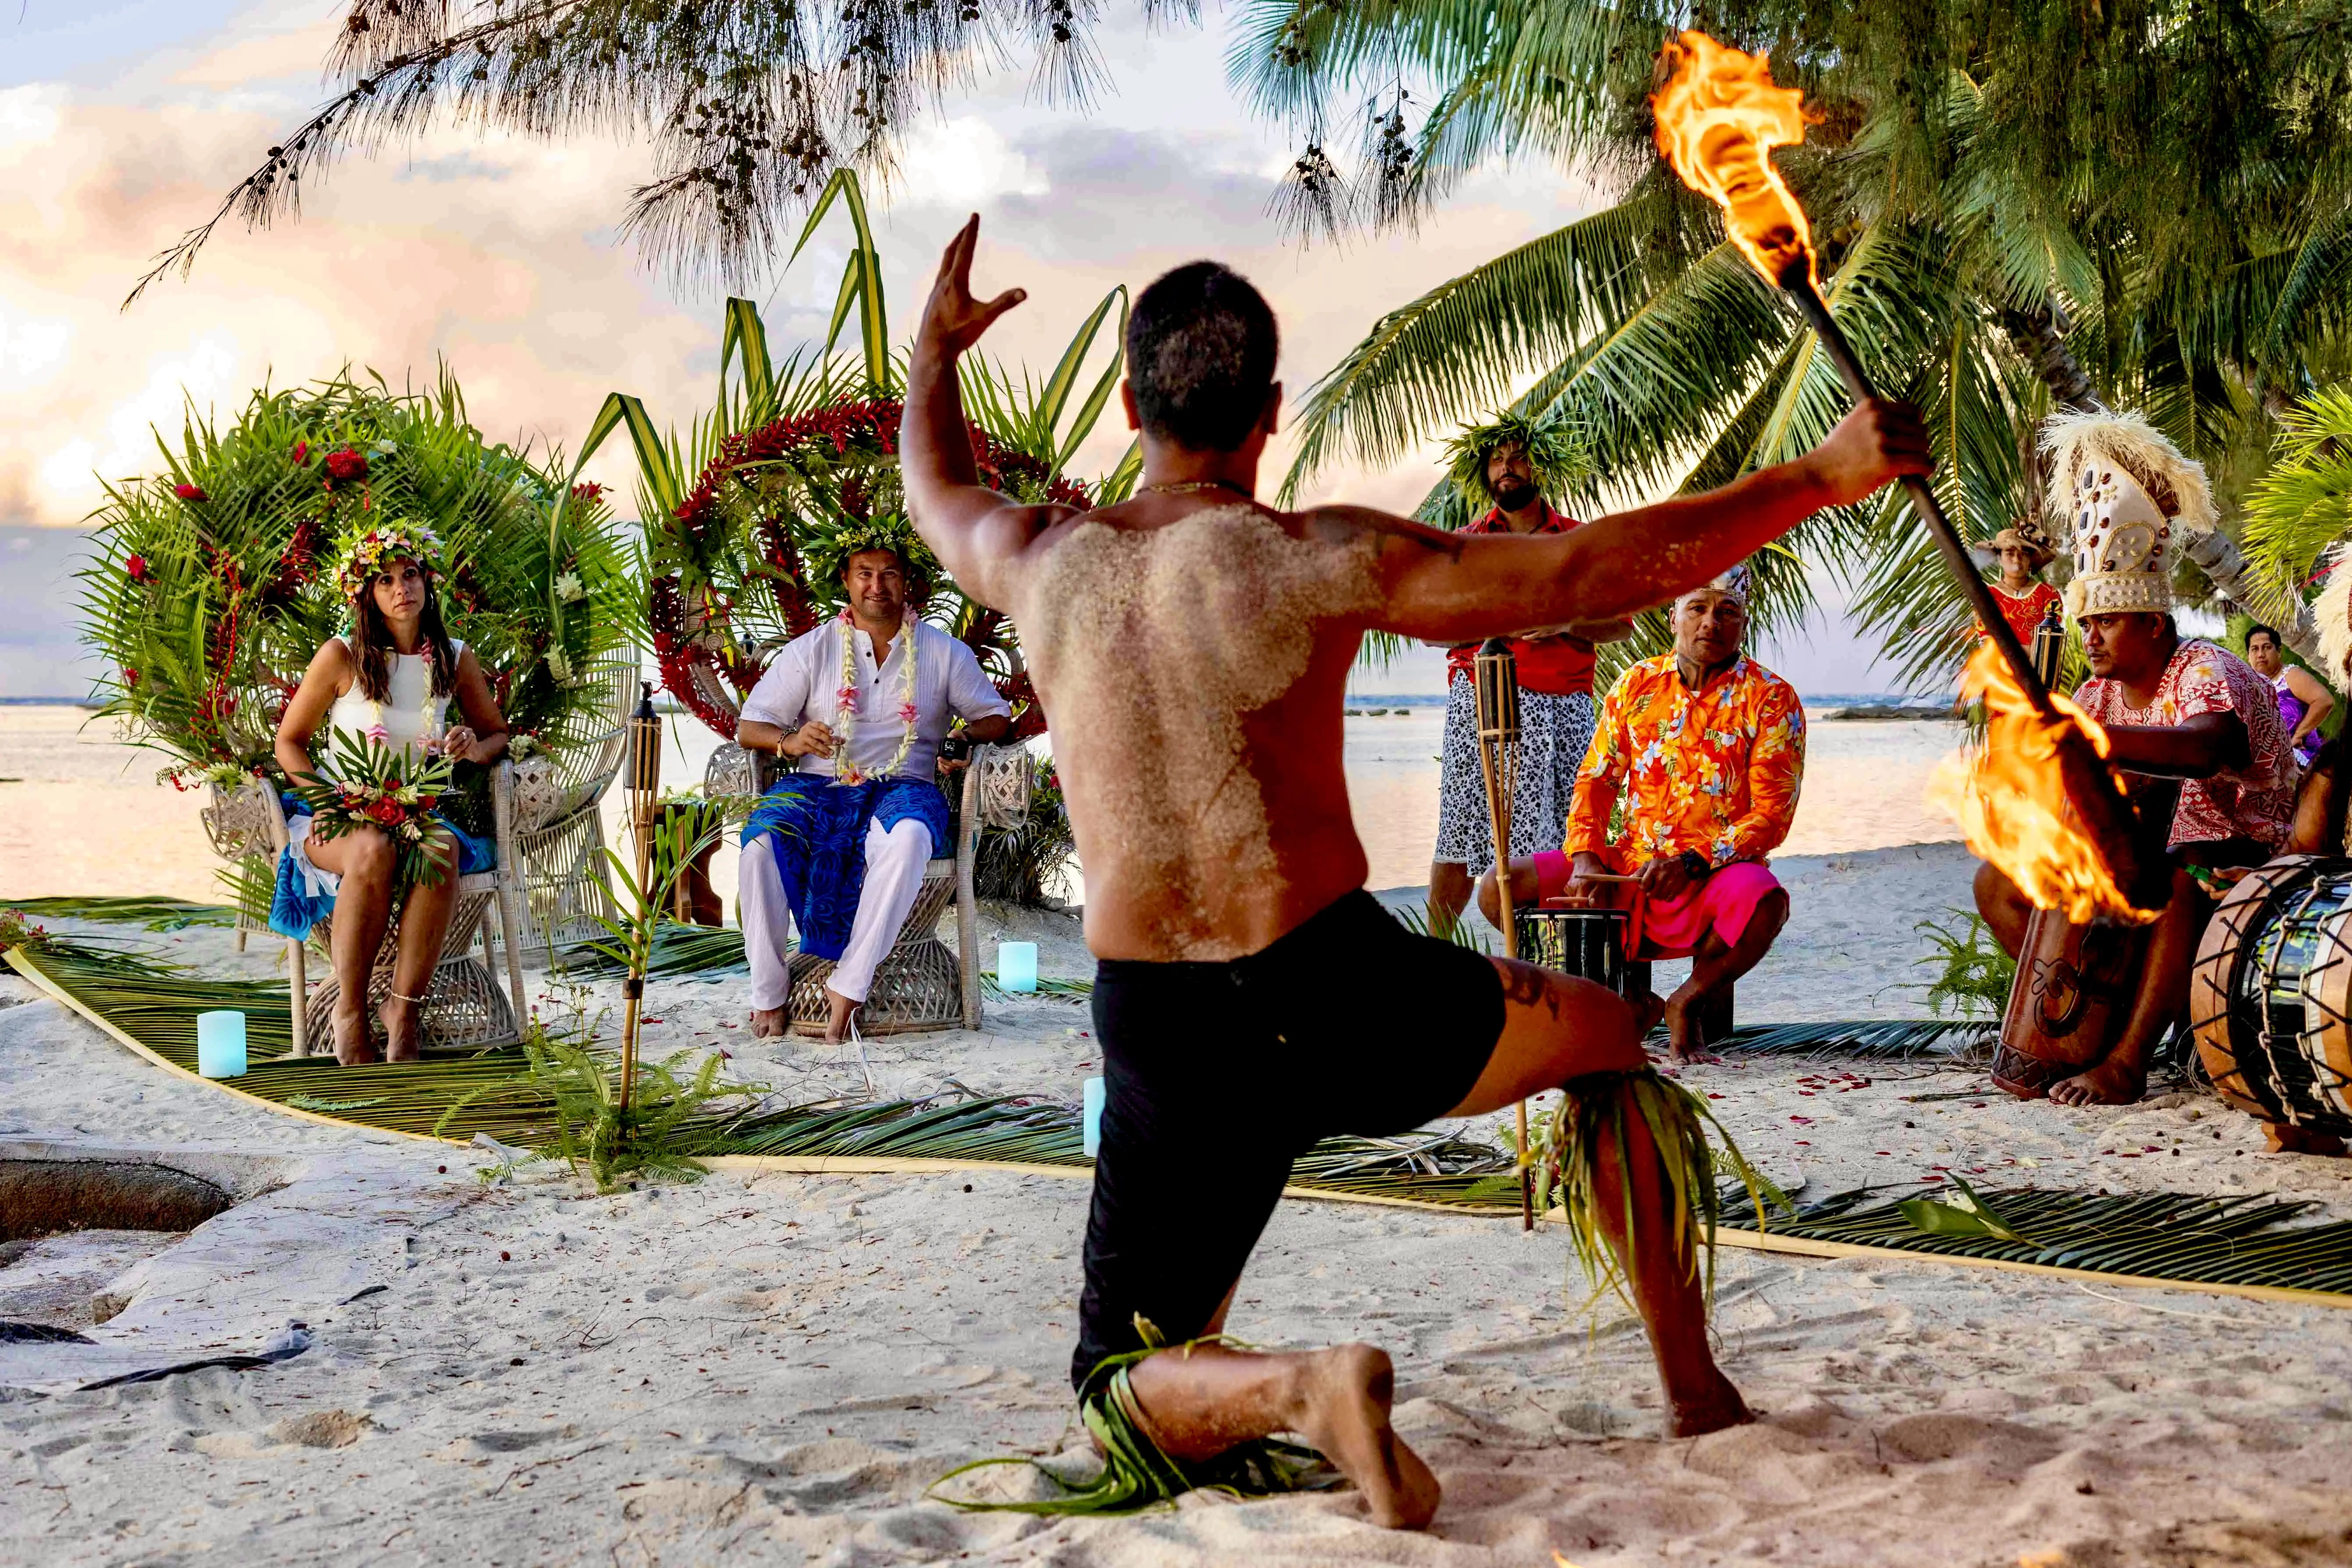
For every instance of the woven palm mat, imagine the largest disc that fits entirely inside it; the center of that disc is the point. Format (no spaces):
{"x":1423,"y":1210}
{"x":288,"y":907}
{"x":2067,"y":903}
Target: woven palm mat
{"x":2241,"y":1245}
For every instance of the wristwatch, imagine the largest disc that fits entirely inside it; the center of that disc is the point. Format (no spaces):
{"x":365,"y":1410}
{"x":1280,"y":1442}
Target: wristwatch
{"x":1695,"y":865}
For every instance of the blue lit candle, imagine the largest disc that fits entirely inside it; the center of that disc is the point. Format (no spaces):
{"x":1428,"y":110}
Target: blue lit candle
{"x":1090,"y":1127}
{"x":1016,"y":966}
{"x":220,"y":1044}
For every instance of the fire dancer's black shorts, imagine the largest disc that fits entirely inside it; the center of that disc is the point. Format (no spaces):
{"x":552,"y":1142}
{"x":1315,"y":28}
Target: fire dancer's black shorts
{"x":1217,"y":1076}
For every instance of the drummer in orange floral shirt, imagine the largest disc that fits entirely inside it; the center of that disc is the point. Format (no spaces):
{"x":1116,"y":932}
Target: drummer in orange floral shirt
{"x":1707,"y":749}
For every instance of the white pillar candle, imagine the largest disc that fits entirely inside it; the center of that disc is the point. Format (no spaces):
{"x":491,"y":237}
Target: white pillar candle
{"x":1090,"y":1127}
{"x":220,"y":1044}
{"x":1016,"y":966}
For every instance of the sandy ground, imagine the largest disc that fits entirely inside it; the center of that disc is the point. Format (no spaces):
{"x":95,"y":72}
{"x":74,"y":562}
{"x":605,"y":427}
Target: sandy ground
{"x":773,"y":1369}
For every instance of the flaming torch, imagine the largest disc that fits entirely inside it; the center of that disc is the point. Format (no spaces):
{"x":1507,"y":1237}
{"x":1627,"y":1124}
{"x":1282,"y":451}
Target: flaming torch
{"x":1718,"y":119}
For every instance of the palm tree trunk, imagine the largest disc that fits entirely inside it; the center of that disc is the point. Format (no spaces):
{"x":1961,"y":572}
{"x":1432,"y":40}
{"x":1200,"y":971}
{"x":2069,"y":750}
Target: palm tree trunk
{"x":2037,"y":336}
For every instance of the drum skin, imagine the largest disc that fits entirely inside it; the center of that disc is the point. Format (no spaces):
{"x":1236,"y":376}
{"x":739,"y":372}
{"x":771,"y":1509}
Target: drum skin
{"x":2272,"y":1016}
{"x":2074,"y":994}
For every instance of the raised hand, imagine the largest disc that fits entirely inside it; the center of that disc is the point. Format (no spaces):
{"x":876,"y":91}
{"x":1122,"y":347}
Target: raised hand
{"x":1879,"y":441}
{"x":952,"y":320}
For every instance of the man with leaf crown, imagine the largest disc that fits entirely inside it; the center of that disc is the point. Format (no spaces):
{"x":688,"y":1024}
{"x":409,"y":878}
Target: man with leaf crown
{"x":859,"y":706}
{"x":1506,"y":473}
{"x":2174,"y":708}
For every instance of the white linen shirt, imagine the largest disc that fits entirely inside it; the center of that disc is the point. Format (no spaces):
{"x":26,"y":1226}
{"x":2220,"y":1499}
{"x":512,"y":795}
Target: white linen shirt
{"x":803,"y":680}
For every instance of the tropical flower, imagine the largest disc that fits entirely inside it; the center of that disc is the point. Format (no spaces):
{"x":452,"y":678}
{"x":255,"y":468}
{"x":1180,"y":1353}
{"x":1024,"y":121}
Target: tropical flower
{"x":190,"y":493}
{"x":906,"y":713}
{"x":301,"y":452}
{"x":588,"y":490}
{"x":345,"y":465}
{"x":129,"y":676}
{"x":378,"y":734}
{"x":568,"y":588}
{"x":137,"y":567}
{"x":559,"y":663}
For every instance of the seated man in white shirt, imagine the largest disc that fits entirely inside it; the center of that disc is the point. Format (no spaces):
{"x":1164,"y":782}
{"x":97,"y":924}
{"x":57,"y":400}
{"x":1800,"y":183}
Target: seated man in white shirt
{"x":837,"y":847}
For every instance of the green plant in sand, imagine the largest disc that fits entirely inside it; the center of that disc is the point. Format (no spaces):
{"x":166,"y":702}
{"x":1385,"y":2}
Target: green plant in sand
{"x":1973,"y":973}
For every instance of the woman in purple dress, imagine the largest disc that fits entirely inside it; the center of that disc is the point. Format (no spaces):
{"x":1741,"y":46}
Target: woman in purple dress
{"x":2304,"y":701}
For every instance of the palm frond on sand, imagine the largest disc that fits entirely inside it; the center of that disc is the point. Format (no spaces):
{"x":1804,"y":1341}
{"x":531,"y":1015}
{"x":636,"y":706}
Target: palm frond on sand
{"x":2241,"y":1240}
{"x":153,"y":912}
{"x":1882,"y":1039}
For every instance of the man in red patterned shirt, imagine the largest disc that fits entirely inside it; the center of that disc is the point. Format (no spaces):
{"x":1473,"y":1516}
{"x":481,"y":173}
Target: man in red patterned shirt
{"x":2174,"y":708}
{"x":1509,"y":467}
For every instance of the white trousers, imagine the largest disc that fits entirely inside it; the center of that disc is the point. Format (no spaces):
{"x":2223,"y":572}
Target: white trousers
{"x":893,"y":875}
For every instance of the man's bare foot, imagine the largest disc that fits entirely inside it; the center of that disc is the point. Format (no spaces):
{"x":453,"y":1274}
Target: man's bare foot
{"x":1710,"y":1412}
{"x":400,"y":1029}
{"x":353,"y":1047}
{"x":2301,"y":1140}
{"x":1342,"y":1408}
{"x":1686,"y":1042}
{"x":770,"y":1023}
{"x":2112,"y":1082}
{"x":836,"y":1027}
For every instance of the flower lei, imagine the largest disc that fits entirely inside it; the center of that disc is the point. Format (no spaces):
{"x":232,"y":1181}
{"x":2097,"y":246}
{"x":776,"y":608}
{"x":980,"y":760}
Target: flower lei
{"x":847,"y":772}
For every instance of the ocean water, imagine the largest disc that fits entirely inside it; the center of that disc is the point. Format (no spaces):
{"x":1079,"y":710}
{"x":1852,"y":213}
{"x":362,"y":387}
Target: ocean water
{"x":82,"y":812}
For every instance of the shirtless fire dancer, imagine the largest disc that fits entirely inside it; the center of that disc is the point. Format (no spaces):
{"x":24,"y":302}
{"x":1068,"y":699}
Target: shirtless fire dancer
{"x":1192,"y":647}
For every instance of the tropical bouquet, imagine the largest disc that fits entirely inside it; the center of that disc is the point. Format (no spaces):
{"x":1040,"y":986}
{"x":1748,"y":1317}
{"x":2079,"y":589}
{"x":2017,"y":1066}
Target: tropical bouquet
{"x":394,"y":792}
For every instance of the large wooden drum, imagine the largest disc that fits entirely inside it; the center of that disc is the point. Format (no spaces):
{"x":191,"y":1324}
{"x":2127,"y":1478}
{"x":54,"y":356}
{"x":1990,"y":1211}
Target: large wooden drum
{"x":2074,"y":994}
{"x":1587,"y":943}
{"x":2271,"y":997}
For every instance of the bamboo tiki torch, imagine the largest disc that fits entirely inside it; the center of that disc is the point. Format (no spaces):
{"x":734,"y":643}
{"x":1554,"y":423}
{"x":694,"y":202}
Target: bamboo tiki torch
{"x":1494,"y":677}
{"x":644,"y":785}
{"x":1718,"y":118}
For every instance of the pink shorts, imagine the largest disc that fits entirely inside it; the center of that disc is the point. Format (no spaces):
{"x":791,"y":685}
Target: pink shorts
{"x":1671,"y":928}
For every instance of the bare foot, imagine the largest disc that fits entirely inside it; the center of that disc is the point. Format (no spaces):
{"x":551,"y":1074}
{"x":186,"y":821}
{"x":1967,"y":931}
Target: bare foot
{"x":2112,"y":1082}
{"x":1711,"y":1412}
{"x":770,"y":1023}
{"x":400,"y":1031}
{"x":1342,"y":1408}
{"x":1685,"y":1041}
{"x":2301,"y":1140}
{"x":353,"y":1047}
{"x":836,"y":1027}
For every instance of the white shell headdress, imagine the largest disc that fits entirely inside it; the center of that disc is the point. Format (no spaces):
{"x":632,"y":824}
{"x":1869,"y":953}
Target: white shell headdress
{"x":2131,"y":500}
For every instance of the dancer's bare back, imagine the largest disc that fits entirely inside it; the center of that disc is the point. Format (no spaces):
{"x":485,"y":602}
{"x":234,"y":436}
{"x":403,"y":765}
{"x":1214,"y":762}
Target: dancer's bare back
{"x":1191,"y":647}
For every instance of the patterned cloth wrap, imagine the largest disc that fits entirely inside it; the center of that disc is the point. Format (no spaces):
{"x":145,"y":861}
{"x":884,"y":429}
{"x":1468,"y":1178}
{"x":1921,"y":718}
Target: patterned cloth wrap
{"x":820,"y":828}
{"x":1553,"y":735}
{"x":302,"y":899}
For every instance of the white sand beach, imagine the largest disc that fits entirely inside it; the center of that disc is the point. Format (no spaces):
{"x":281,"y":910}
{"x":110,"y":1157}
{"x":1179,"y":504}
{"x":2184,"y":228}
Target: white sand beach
{"x":773,"y":1368}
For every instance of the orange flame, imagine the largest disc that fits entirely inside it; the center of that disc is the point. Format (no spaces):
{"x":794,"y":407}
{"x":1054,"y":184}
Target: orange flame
{"x":2009,"y":798}
{"x":1719,"y":117}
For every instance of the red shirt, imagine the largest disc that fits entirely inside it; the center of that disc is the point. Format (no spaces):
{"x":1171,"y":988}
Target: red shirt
{"x":1557,"y":666}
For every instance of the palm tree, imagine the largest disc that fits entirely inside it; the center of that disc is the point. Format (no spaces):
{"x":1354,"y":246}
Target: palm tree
{"x":2017,"y":208}
{"x":749,"y":105}
{"x":799,"y":455}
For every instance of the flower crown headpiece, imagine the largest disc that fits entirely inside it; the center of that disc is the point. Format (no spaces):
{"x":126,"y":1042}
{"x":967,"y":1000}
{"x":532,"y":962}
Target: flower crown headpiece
{"x":1559,"y":453}
{"x":829,"y":556}
{"x":363,"y":553}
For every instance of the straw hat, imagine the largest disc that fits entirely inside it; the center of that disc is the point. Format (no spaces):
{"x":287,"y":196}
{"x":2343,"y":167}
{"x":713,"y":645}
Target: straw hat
{"x":2132,"y":500}
{"x":2039,"y":551}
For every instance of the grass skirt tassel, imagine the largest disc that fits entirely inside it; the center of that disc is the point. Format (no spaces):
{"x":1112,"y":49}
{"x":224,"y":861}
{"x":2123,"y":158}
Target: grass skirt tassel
{"x":1591,"y":1126}
{"x":1136,"y":1474}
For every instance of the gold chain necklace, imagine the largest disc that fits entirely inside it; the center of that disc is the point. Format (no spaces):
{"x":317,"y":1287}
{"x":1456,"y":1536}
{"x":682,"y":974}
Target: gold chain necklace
{"x":1195,"y":487}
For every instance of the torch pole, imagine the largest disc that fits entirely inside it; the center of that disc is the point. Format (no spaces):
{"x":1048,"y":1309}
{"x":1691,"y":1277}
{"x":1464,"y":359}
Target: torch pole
{"x":1798,"y":283}
{"x":1495,"y":681}
{"x":2090,"y":782}
{"x":644,"y":784}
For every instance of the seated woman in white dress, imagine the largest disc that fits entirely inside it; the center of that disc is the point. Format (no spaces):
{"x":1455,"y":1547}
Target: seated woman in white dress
{"x":391,"y":680}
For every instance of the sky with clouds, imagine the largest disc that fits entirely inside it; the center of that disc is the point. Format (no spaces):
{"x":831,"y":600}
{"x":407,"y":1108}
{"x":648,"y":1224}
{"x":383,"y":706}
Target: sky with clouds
{"x":123,"y":122}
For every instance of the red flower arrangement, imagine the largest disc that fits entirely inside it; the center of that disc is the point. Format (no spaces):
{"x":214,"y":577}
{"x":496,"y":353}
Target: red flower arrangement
{"x":136,"y":567}
{"x":684,"y":648}
{"x":190,"y":493}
